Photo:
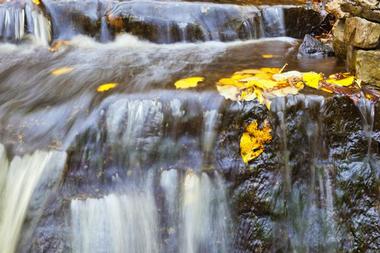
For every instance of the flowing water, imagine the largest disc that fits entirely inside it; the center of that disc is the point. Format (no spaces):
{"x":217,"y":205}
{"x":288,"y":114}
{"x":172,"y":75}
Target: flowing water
{"x":145,"y":167}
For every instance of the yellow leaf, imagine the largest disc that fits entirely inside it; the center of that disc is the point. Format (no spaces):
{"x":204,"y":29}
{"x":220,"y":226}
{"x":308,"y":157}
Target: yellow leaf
{"x":270,"y":70}
{"x":263,"y":83}
{"x":342,"y":82}
{"x":228,"y":92}
{"x":248,"y":71}
{"x":312,"y":79}
{"x":106,"y":86}
{"x":61,"y":71}
{"x":238,"y":77}
{"x":36,"y":2}
{"x":267,"y":56}
{"x":190,"y":82}
{"x":248,"y":95}
{"x":253,"y":139}
{"x":286,"y":75}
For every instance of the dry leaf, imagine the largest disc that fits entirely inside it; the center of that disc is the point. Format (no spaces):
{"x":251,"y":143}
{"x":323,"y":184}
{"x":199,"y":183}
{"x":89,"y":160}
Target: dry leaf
{"x":61,"y":71}
{"x":106,"y":86}
{"x":267,"y":56}
{"x":312,"y":79}
{"x":253,"y":139}
{"x":189,"y":82}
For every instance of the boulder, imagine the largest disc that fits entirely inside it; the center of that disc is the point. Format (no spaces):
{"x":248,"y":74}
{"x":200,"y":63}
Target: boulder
{"x":368,"y":9}
{"x":367,"y":66}
{"x":314,"y":48}
{"x":340,"y":47}
{"x":362,"y":33}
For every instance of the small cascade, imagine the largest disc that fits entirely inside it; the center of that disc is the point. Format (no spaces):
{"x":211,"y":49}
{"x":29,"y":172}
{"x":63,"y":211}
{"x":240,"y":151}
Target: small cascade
{"x":38,"y":25}
{"x":204,"y":215}
{"x":194,"y":217}
{"x":18,"y":20}
{"x":273,"y":21}
{"x":105,"y":34}
{"x":186,"y":21}
{"x":12,"y":22}
{"x":306,"y":201}
{"x":115,"y":222}
{"x":18,"y":185}
{"x":367,"y":110}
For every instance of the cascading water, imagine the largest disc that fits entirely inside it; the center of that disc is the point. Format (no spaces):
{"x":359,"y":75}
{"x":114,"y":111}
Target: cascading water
{"x":23,"y":178}
{"x":145,"y":167}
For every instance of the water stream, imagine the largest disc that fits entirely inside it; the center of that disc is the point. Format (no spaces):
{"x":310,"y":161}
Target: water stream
{"x":146,"y":167}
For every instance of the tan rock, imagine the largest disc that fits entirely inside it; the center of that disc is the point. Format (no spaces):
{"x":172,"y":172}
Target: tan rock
{"x":339,"y":45}
{"x":361,"y":33}
{"x":334,"y":7}
{"x":367,"y":66}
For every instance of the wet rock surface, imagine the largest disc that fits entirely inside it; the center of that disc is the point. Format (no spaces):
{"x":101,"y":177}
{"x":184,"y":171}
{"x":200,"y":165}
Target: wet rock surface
{"x":314,"y":48}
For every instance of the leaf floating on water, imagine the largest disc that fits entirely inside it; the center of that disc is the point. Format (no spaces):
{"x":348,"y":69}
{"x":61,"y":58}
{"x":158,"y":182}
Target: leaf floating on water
{"x":190,"y":82}
{"x":260,"y":84}
{"x":228,"y":92}
{"x":312,"y":79}
{"x":253,"y":140}
{"x":106,"y":87}
{"x":286,"y":75}
{"x":267,"y":56}
{"x":61,"y":71}
{"x":341,"y":79}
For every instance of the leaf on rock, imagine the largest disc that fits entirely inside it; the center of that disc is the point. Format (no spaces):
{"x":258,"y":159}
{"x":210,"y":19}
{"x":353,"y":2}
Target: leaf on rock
{"x":61,"y":71}
{"x":106,"y":87}
{"x":312,"y":79}
{"x":189,"y":82}
{"x":253,"y":140}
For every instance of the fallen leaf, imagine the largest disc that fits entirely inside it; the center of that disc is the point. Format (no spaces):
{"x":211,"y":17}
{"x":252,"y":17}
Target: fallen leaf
{"x":106,"y":86}
{"x":286,"y":75}
{"x":58,"y":44}
{"x":312,"y":79}
{"x":253,"y":139}
{"x":189,"y":82}
{"x":267,"y":56}
{"x":228,"y":92}
{"x":36,"y":2}
{"x":61,"y":71}
{"x":347,"y":81}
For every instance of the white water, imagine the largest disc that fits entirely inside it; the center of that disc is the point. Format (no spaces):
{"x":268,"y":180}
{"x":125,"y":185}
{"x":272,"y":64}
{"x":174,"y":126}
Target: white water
{"x":197,"y":218}
{"x":38,"y":25}
{"x":18,"y":183}
{"x":204,"y":215}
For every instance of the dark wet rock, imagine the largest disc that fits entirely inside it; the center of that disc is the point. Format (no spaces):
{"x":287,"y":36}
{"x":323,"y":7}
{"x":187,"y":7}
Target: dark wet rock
{"x":300,"y":21}
{"x":314,"y":48}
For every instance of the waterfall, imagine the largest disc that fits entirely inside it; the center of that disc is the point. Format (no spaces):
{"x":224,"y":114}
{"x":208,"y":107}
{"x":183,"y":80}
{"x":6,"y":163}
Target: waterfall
{"x":12,"y":22}
{"x":204,"y":215}
{"x":18,"y":184}
{"x":306,"y":201}
{"x":115,"y":223}
{"x":273,"y":21}
{"x":38,"y":25}
{"x":367,"y":110}
{"x":194,"y":217}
